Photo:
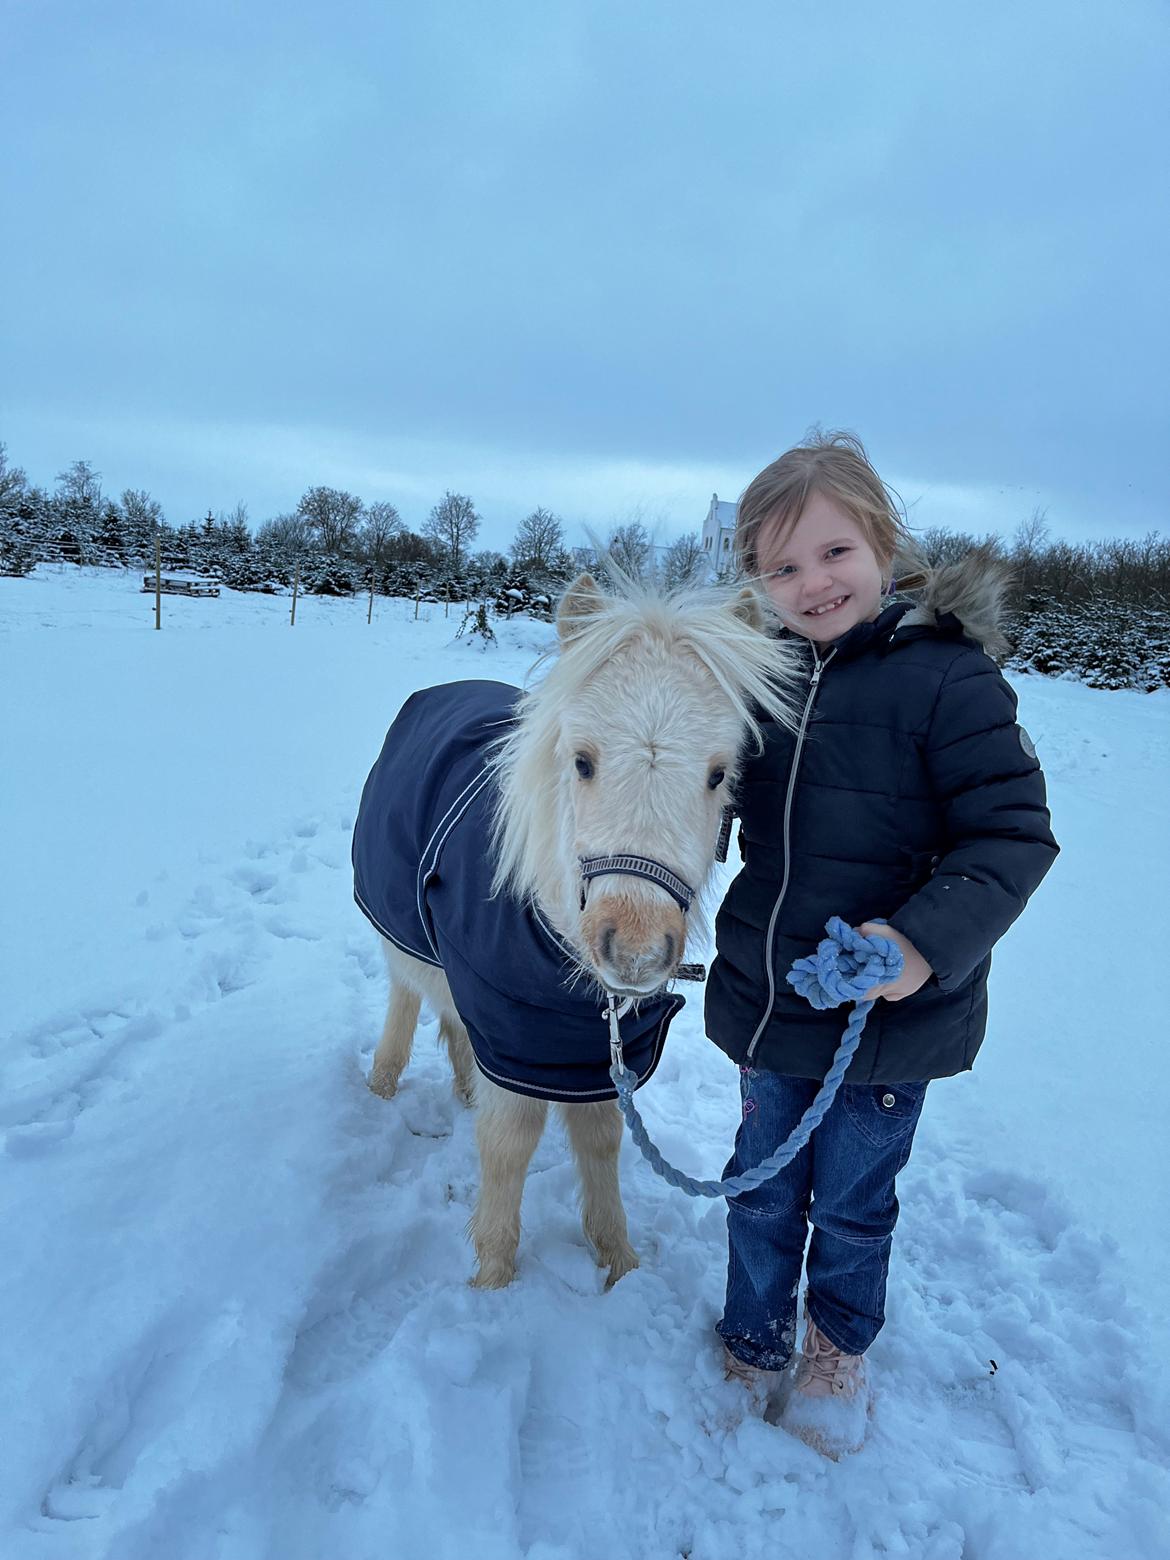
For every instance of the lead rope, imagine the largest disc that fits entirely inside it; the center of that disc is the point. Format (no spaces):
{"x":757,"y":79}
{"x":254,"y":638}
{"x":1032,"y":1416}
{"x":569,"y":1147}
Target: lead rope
{"x":845,"y":966}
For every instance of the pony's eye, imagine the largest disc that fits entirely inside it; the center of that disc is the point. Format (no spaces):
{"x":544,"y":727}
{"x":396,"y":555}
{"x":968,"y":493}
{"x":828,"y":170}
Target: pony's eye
{"x":715,"y":779}
{"x":584,"y":766}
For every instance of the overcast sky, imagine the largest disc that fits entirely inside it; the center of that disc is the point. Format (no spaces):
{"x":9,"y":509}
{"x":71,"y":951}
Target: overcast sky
{"x":601,"y":257}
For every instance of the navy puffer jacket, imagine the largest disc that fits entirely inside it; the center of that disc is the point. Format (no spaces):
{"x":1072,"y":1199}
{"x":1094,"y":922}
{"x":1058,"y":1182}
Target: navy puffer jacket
{"x":914,"y":796}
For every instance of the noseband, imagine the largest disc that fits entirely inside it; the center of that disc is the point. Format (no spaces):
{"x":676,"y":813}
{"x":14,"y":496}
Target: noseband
{"x":636,"y":866}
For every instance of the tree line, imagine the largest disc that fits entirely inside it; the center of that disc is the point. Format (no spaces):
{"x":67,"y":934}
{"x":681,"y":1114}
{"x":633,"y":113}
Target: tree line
{"x":339,"y":543}
{"x":1045,"y":570}
{"x":334,"y":540}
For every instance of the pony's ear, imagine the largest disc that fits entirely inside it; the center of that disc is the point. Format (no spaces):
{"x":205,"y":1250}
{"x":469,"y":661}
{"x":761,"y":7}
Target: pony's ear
{"x":582,"y":600}
{"x":747,"y":605}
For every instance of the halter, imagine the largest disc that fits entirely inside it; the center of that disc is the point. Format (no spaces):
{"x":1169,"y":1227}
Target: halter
{"x":637,"y":866}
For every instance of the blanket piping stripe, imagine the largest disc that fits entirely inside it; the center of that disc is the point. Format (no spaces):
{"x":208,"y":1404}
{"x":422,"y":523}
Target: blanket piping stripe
{"x":567,"y":1096}
{"x":425,"y":870}
{"x":389,"y":936}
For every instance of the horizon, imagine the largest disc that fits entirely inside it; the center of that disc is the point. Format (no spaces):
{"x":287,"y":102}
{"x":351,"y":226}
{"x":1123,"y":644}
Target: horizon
{"x":979,"y":512}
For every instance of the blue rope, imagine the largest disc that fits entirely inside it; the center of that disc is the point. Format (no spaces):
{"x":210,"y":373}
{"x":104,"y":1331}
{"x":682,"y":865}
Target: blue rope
{"x":844,"y":967}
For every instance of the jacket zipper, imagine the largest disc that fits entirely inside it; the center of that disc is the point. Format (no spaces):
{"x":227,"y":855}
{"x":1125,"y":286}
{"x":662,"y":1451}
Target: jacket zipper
{"x":769,"y":951}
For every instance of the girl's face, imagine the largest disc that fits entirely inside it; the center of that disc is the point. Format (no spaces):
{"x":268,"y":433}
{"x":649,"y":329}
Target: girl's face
{"x":824,"y":576}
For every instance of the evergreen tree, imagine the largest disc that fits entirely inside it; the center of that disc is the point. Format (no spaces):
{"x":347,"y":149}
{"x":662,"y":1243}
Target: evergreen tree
{"x":13,"y":483}
{"x":110,"y":536}
{"x":141,"y":518}
{"x":18,"y":551}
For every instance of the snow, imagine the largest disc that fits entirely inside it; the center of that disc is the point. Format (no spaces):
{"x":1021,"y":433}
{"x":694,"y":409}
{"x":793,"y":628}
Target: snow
{"x":234,"y":1313}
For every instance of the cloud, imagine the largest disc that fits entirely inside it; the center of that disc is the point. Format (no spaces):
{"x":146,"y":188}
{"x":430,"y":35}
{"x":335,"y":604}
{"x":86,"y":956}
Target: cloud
{"x":616,"y":250}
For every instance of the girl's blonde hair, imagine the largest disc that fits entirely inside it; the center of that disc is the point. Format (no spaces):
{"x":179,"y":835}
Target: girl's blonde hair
{"x":835,"y":465}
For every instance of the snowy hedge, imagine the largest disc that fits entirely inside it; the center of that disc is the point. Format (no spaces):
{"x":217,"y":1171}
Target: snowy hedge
{"x":1107,"y":644}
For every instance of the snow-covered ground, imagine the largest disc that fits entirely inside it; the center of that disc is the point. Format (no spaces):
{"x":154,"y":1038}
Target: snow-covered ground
{"x":234,"y":1316}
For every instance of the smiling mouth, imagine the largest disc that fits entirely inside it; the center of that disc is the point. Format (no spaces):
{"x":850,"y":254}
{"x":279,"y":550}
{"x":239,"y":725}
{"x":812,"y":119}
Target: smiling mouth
{"x":829,"y":606}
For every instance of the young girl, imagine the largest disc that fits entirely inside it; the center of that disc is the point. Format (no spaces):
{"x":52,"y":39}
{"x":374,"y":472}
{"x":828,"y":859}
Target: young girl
{"x":908,"y":793}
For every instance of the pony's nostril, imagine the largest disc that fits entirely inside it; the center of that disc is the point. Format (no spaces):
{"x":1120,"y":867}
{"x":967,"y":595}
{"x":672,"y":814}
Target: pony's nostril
{"x":668,"y":949}
{"x":607,"y":944}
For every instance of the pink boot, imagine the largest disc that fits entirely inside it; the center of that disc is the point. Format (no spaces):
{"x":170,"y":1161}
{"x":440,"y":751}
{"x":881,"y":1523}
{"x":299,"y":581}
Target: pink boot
{"x":829,"y":1401}
{"x":760,"y":1383}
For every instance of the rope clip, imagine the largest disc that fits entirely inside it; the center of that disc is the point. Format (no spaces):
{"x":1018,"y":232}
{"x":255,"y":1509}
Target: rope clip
{"x":613,"y":1012}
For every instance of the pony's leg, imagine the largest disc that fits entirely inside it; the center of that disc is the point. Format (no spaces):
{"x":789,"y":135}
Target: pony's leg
{"x":393,"y":1051}
{"x":595,"y":1132}
{"x":508,"y":1128}
{"x":462,"y":1062}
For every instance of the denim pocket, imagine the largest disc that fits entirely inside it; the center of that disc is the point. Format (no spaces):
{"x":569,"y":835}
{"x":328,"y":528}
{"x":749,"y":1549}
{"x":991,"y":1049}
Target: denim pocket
{"x":883,"y":1112}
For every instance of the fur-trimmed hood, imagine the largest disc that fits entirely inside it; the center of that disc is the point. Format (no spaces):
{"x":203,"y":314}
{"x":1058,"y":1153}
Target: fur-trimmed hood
{"x":972,"y":589}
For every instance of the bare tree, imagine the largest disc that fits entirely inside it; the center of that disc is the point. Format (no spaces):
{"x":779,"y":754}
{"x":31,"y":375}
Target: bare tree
{"x":629,"y":547}
{"x":333,"y":516}
{"x":452,"y":525}
{"x":75,"y":511}
{"x":685,"y":561}
{"x":286,"y":534}
{"x":408,"y":547}
{"x":80,"y":485}
{"x":489,"y":561}
{"x":13,"y":482}
{"x":940,"y":546}
{"x":381,"y":525}
{"x":1032,"y":534}
{"x":234,"y":519}
{"x":539,"y":540}
{"x":1028,"y":545}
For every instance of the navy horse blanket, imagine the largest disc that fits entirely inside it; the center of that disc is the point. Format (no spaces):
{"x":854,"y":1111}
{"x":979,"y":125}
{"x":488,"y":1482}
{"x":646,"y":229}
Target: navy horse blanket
{"x":422,"y":874}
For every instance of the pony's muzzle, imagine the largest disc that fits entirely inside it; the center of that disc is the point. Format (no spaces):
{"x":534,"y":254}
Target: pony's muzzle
{"x":635,"y":946}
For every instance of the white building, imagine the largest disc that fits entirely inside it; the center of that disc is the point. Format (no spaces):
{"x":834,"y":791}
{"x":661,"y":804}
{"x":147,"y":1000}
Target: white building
{"x":718,"y":530}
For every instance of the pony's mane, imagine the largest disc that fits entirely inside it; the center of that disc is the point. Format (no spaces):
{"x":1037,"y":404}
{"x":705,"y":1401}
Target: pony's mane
{"x":752,"y":668}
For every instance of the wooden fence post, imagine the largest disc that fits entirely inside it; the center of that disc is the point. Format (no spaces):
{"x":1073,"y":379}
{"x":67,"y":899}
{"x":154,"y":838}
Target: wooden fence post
{"x":447,"y":604}
{"x":416,"y":600}
{"x":158,"y":579}
{"x":370,"y":613}
{"x":292,"y":617}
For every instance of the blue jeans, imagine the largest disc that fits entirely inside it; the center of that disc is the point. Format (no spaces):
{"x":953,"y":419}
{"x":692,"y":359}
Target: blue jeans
{"x":842,"y":1183}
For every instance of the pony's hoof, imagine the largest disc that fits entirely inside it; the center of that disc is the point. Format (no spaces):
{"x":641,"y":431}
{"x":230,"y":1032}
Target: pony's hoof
{"x":493,"y":1275}
{"x":619,"y":1265}
{"x":385,"y":1085}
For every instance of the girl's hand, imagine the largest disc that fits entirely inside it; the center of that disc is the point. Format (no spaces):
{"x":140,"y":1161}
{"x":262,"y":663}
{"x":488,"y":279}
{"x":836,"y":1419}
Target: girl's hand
{"x":915,"y":970}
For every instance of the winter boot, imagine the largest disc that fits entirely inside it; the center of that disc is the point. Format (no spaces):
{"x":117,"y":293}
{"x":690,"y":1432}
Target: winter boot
{"x":760,"y":1383}
{"x":829,"y":1401}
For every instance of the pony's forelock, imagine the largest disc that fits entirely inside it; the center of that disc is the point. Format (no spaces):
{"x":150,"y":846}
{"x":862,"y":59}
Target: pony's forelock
{"x":753,"y":670}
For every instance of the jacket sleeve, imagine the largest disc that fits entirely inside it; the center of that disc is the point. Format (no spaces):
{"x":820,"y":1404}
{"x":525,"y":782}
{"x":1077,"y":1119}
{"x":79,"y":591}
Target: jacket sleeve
{"x":997,"y":842}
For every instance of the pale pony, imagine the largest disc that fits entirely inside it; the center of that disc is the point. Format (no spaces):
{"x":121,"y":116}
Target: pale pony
{"x":628,"y":744}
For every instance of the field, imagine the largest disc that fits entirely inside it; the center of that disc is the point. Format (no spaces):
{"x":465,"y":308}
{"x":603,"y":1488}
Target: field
{"x":234,"y":1316}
